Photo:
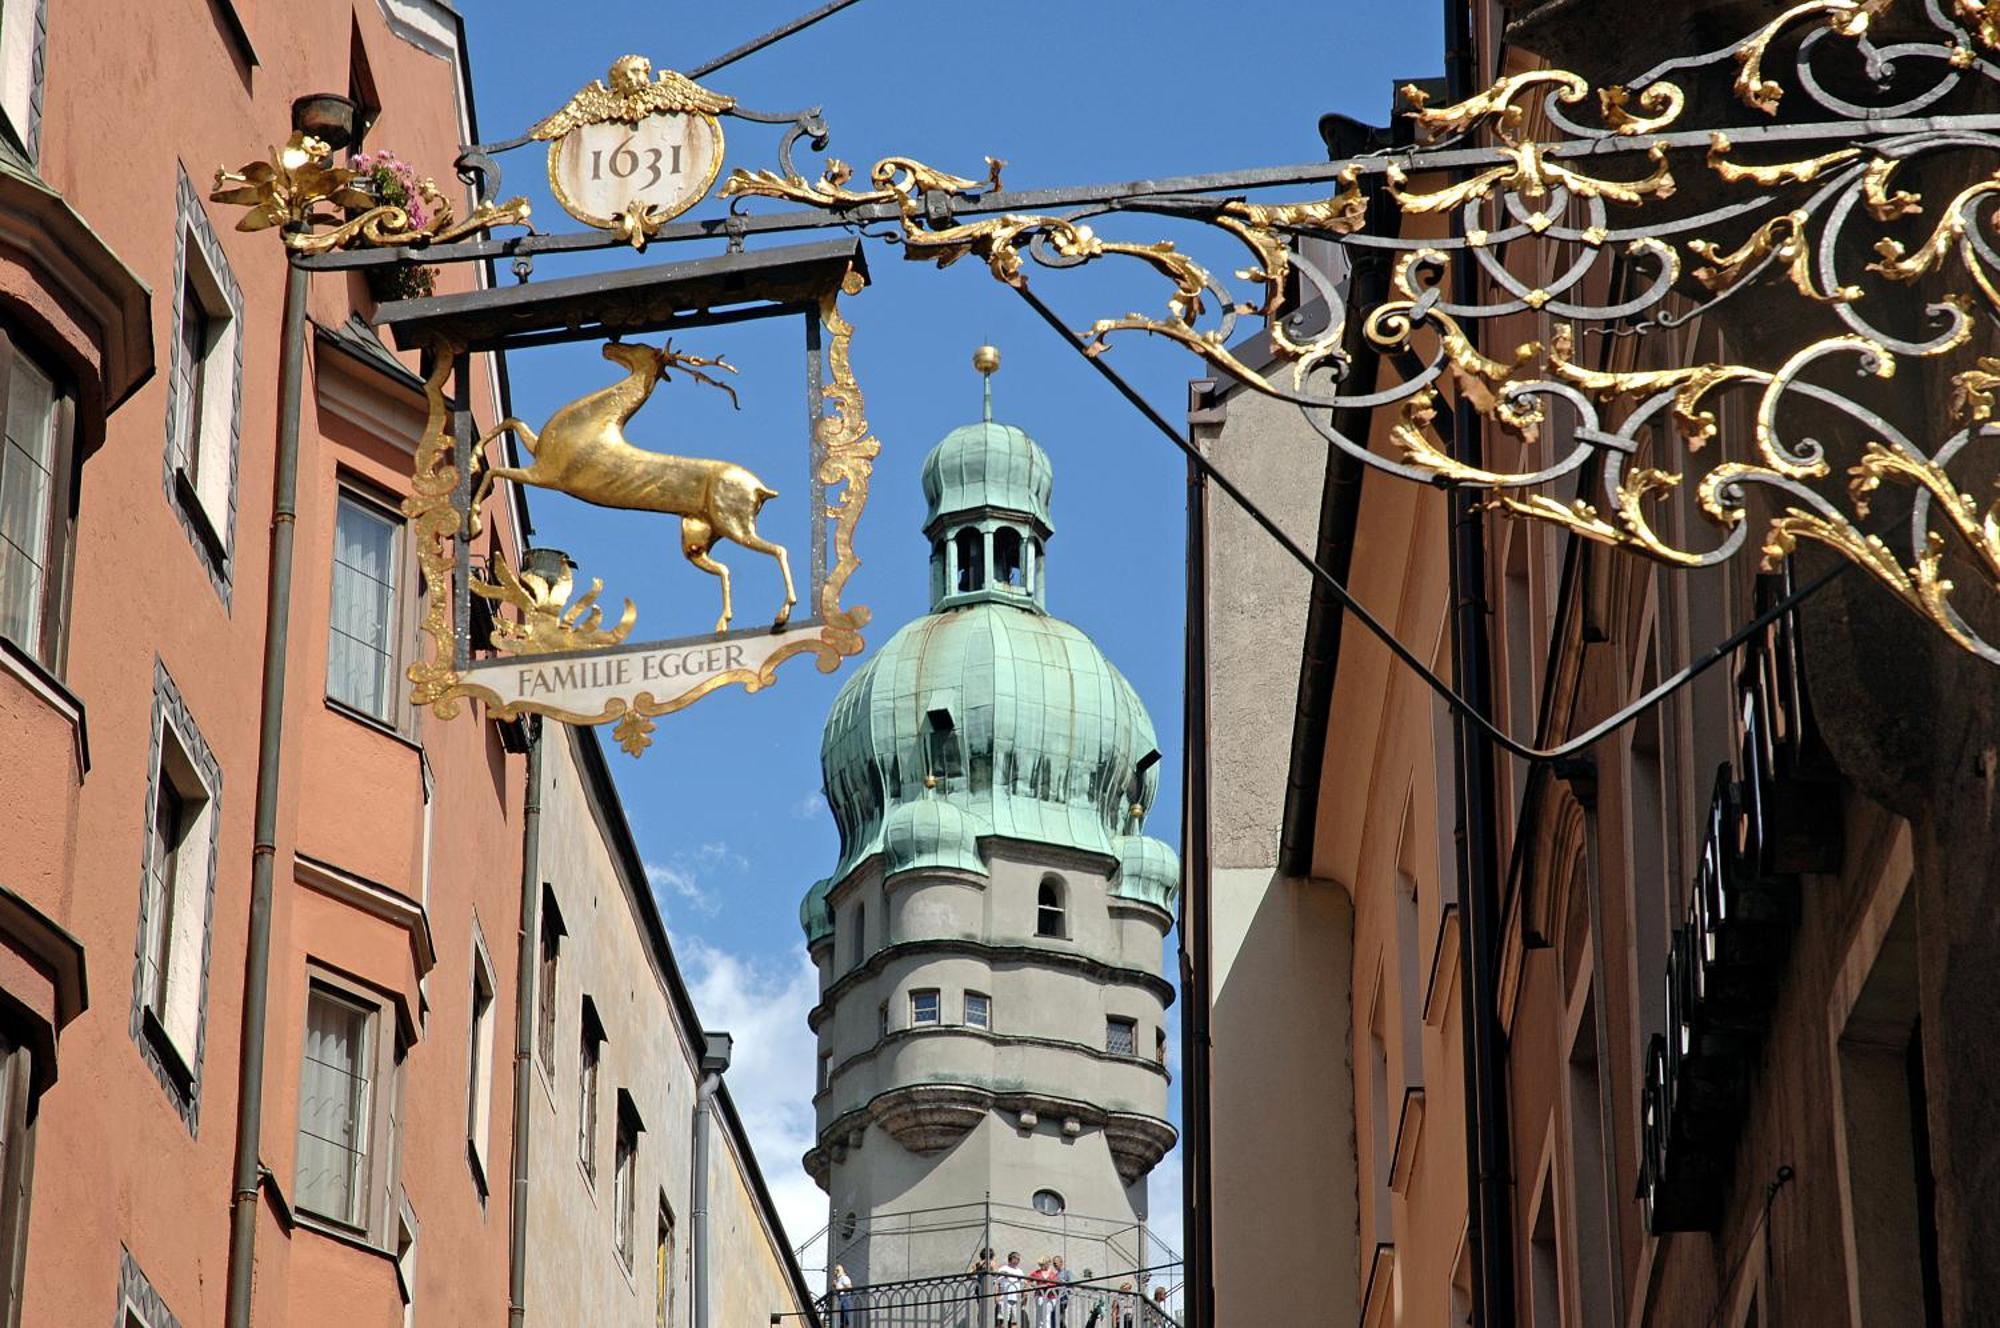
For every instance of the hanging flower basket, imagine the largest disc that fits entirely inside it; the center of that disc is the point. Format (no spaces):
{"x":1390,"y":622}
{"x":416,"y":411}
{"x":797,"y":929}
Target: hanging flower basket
{"x":393,"y":181}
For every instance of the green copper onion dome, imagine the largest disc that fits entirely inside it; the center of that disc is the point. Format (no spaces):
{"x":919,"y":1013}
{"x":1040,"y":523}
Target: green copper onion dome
{"x":987,"y":717}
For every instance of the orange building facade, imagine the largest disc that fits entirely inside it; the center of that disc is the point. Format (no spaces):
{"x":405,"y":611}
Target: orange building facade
{"x":1715,"y":1102}
{"x":140,"y":370}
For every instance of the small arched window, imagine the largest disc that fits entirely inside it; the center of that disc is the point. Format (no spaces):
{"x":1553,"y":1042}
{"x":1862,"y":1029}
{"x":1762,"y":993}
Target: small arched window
{"x":1048,"y":1203}
{"x":1007,"y":558}
{"x":1050,"y":916}
{"x":971,"y":547}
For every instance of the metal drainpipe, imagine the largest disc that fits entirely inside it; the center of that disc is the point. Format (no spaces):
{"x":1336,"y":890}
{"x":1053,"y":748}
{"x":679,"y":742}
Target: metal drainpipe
{"x":1197,"y":1185}
{"x":524,"y":1018}
{"x":264,"y":848}
{"x":714,"y":1060}
{"x":1490,"y":1225}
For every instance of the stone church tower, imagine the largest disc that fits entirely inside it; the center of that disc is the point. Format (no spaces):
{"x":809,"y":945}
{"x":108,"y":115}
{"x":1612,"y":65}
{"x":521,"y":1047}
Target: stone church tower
{"x":991,"y":1017}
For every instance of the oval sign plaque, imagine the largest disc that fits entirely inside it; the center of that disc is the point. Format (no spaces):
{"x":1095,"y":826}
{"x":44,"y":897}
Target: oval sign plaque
{"x":634,"y":153}
{"x":664,"y":165}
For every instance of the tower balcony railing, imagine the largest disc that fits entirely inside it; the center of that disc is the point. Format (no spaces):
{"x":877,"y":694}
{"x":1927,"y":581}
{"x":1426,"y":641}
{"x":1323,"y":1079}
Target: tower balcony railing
{"x":1002,"y":1300}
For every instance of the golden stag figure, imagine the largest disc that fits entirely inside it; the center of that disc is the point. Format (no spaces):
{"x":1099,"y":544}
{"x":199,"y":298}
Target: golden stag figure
{"x":582,"y":452}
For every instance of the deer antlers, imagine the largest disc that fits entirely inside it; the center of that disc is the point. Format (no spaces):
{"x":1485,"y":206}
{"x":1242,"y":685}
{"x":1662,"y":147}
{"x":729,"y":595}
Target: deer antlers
{"x":693,"y":366}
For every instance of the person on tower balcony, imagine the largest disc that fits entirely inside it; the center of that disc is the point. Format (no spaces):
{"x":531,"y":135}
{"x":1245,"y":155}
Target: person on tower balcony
{"x":1044,"y":1278}
{"x":1013,"y":1281}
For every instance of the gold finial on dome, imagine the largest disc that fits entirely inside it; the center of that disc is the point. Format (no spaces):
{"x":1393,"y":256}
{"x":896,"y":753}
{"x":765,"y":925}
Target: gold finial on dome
{"x":987,"y":360}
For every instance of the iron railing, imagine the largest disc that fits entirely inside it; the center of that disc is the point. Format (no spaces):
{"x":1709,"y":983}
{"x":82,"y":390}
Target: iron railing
{"x":998,"y":1300}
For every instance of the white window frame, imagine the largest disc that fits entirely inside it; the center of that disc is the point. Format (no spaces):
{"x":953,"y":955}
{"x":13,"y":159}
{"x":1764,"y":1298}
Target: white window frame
{"x":48,"y":545}
{"x":590,"y":1073}
{"x":625,"y":1182}
{"x":372,"y":1211}
{"x":917,"y":1019}
{"x":23,"y":43}
{"x":483,"y":998}
{"x":395,"y":712}
{"x":174,"y":944}
{"x":985,"y":1008}
{"x":202,"y":443}
{"x":404,"y":1248}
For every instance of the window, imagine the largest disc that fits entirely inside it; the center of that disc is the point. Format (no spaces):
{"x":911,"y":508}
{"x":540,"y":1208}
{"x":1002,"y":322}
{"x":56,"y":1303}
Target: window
{"x":624,"y":1176}
{"x":479,"y":1061}
{"x":21,"y":41}
{"x":205,"y":374}
{"x":1050,"y":917}
{"x":363,"y":633}
{"x":586,"y":1114}
{"x":37,"y":504}
{"x":882,"y":1020}
{"x":1048,"y":1203}
{"x":825,"y":1070}
{"x":336,"y":1102}
{"x":176,"y":885}
{"x":860,"y":935}
{"x":139,"y":1305}
{"x":978,"y":1010}
{"x":1121,"y":1036}
{"x":970,"y":545}
{"x":1007,"y":558}
{"x":405,"y":1250}
{"x":545,"y":982}
{"x":17,"y":1168}
{"x":924,"y":1007}
{"x":663,"y":1267}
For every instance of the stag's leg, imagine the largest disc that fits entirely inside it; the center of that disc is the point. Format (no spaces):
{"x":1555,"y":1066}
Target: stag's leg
{"x":527,"y":438}
{"x":735,"y":516}
{"x":696,"y":540}
{"x":751,"y":540}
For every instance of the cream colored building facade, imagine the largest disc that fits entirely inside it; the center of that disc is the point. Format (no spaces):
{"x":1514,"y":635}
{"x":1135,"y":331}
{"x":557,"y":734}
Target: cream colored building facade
{"x":616,"y":1092}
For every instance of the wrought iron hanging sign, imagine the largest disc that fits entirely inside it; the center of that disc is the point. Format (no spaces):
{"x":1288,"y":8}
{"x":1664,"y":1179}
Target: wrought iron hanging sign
{"x":1554,"y":193}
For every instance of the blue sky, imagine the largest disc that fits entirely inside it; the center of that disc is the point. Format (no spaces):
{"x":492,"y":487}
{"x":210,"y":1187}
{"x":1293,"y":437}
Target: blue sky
{"x":726,"y":804}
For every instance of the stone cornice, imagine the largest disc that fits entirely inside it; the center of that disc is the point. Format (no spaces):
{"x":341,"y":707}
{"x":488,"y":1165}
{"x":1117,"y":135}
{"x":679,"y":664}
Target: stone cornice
{"x":928,"y":1118}
{"x":999,"y":1039}
{"x":1047,"y":955}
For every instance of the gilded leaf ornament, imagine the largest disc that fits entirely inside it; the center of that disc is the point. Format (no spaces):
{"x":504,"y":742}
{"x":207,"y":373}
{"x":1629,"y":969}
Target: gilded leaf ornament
{"x":298,"y":190}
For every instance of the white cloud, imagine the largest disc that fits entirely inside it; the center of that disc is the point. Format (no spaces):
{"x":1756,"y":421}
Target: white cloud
{"x":671,"y":880}
{"x":810,"y":807}
{"x":762,"y":1003}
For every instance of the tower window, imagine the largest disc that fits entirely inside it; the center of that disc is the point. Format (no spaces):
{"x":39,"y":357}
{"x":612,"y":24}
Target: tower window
{"x":860,"y":935}
{"x":825,"y":1070}
{"x":1121,"y":1036}
{"x":978,"y":1010}
{"x":924,"y":1007}
{"x":1048,"y":1203}
{"x":1007,"y":569}
{"x":971,"y":547}
{"x":1051,"y":919}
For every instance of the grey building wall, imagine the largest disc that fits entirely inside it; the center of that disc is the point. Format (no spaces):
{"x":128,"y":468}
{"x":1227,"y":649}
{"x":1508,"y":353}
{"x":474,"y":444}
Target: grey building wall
{"x":1283,"y":1164}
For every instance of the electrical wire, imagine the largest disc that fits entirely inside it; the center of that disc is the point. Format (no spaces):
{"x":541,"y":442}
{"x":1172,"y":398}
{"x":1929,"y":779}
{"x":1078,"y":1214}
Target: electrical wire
{"x":1715,"y":655}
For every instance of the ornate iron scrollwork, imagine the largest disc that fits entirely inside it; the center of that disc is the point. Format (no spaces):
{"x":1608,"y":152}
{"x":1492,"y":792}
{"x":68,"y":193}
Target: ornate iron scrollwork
{"x":1542,"y":160}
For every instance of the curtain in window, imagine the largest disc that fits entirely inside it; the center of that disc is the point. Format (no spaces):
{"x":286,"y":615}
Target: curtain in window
{"x":361,"y":655}
{"x":27,"y":489}
{"x":333,"y":1110}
